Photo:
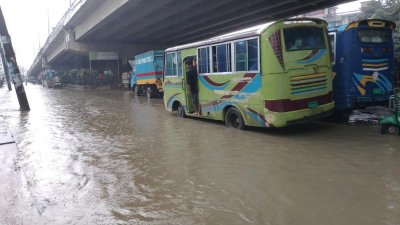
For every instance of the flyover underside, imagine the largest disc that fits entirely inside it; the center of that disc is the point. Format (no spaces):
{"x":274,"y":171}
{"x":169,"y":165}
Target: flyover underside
{"x":172,"y":22}
{"x":142,"y":25}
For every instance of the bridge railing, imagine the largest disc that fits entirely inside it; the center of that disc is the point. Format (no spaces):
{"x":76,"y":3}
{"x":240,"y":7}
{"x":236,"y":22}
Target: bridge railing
{"x":76,"y":5}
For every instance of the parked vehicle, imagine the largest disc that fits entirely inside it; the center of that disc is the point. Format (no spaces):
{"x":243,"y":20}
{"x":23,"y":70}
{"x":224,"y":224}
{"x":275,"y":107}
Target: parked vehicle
{"x":51,"y":79}
{"x":149,"y":70}
{"x":391,"y":124}
{"x":363,"y":63}
{"x":57,"y":83}
{"x":272,"y":76}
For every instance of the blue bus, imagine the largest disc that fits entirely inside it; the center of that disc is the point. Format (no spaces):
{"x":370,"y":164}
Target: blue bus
{"x":362,"y":63}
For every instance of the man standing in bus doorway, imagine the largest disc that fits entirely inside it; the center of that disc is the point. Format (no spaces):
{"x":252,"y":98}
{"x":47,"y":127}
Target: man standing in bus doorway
{"x":193,"y":89}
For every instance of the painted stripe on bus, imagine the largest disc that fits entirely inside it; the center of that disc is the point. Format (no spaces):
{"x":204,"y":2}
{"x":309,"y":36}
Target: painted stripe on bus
{"x":303,"y":77}
{"x":375,"y":69}
{"x":376,"y":65}
{"x":311,"y":90}
{"x":374,"y":60}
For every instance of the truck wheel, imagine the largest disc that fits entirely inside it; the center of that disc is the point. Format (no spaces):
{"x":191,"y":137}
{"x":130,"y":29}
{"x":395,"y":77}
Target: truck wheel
{"x":233,"y":118}
{"x":389,"y":129}
{"x":180,"y":111}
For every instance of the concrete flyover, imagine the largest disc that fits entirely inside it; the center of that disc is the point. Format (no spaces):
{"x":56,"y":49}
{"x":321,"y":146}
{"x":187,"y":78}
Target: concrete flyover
{"x":130,"y":27}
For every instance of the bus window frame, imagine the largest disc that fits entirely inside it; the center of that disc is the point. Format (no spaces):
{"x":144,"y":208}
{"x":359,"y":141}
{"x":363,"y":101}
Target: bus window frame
{"x":229,"y":44}
{"x":233,"y":58}
{"x":177,"y":64}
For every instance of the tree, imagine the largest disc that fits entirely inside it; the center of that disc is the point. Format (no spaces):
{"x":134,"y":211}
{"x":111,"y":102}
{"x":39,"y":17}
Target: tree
{"x":388,"y":10}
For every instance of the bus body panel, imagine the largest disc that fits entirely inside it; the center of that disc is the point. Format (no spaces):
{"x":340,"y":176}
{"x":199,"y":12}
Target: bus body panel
{"x":302,"y":83}
{"x":277,"y":94}
{"x":363,"y":68}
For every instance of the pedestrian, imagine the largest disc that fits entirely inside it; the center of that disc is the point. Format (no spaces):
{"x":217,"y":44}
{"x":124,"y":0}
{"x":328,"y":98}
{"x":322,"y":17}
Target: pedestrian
{"x":192,"y":78}
{"x":100,"y":79}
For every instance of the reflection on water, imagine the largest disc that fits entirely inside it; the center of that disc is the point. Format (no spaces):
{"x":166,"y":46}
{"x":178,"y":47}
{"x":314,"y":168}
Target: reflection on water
{"x":108,"y":157}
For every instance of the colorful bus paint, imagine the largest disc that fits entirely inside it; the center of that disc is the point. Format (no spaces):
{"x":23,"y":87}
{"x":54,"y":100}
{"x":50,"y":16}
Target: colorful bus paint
{"x":363,"y":63}
{"x":268,"y":76}
{"x":149,"y":71}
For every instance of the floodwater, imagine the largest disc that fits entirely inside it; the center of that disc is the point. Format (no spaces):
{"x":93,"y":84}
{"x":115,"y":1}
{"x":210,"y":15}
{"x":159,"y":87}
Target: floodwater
{"x":108,"y":157}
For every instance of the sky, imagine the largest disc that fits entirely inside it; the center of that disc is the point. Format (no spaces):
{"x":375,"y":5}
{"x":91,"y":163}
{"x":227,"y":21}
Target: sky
{"x":28,"y":22}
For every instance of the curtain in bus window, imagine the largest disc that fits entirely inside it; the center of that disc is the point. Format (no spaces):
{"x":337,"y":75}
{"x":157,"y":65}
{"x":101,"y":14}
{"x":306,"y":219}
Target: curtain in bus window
{"x":253,"y":54}
{"x":171,"y":65}
{"x":204,"y":64}
{"x":241,"y":55}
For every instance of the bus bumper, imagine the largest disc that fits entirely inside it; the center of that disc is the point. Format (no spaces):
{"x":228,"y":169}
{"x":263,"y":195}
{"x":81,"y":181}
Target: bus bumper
{"x":300,"y":116}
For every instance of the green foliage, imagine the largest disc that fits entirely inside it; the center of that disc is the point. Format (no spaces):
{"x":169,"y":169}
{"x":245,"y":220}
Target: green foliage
{"x":388,"y":10}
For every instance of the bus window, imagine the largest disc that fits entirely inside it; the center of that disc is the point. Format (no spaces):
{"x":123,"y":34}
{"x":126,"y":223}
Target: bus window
{"x":246,"y":55}
{"x":170,"y":65}
{"x":253,"y":54}
{"x":173,"y":64}
{"x":303,"y":38}
{"x":221,"y":58}
{"x":204,"y":60}
{"x":374,"y":36}
{"x":241,"y":55}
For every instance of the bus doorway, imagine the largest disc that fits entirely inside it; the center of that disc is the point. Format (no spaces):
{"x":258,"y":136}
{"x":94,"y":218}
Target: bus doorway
{"x":188,"y":62}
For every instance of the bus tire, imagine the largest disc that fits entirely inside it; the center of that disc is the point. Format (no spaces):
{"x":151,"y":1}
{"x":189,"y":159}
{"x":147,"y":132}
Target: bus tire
{"x":180,"y":111}
{"x":389,"y":129}
{"x":233,"y":118}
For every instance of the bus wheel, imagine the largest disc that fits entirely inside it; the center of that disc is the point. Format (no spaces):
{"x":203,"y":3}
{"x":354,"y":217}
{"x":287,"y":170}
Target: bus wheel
{"x":234,"y":119}
{"x":389,"y":129}
{"x":180,"y":111}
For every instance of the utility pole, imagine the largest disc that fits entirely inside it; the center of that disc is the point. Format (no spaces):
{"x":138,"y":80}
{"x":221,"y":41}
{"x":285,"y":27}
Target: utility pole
{"x":5,"y":69}
{"x":10,"y":62}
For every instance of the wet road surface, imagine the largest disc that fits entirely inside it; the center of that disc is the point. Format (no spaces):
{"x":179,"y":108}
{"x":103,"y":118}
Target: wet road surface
{"x":108,"y":157}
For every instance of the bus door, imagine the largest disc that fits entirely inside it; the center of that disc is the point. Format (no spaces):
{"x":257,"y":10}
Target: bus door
{"x":185,"y":86}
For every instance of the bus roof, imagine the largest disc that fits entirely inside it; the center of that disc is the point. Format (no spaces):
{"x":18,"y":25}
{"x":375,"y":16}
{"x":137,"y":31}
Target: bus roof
{"x":245,"y":33}
{"x":369,"y":22}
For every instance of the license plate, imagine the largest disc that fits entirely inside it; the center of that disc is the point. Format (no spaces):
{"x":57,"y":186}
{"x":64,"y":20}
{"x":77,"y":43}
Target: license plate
{"x":312,"y":104}
{"x":377,"y":91}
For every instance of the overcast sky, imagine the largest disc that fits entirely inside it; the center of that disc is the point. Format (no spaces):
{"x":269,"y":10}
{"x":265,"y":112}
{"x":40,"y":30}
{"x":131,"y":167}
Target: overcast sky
{"x":27,"y":22}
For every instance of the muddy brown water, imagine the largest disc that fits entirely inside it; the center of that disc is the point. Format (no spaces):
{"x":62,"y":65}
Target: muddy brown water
{"x":108,"y":157}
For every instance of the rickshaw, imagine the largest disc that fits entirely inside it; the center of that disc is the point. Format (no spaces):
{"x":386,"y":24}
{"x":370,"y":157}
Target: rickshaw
{"x":391,"y":124}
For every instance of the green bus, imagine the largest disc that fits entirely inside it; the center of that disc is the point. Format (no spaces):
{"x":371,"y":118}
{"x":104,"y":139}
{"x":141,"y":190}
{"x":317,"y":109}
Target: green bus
{"x":273,"y":75}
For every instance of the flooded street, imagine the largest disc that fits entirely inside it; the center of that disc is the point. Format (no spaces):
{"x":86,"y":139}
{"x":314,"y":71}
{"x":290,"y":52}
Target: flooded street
{"x":108,"y":157}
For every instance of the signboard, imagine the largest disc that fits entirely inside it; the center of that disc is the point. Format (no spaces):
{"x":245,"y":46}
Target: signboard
{"x":103,"y":55}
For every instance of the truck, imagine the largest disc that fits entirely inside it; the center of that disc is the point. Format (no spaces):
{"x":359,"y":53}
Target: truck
{"x":149,"y":71}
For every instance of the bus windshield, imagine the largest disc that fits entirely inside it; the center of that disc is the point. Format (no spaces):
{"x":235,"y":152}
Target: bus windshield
{"x":303,"y":38}
{"x":374,"y":36}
